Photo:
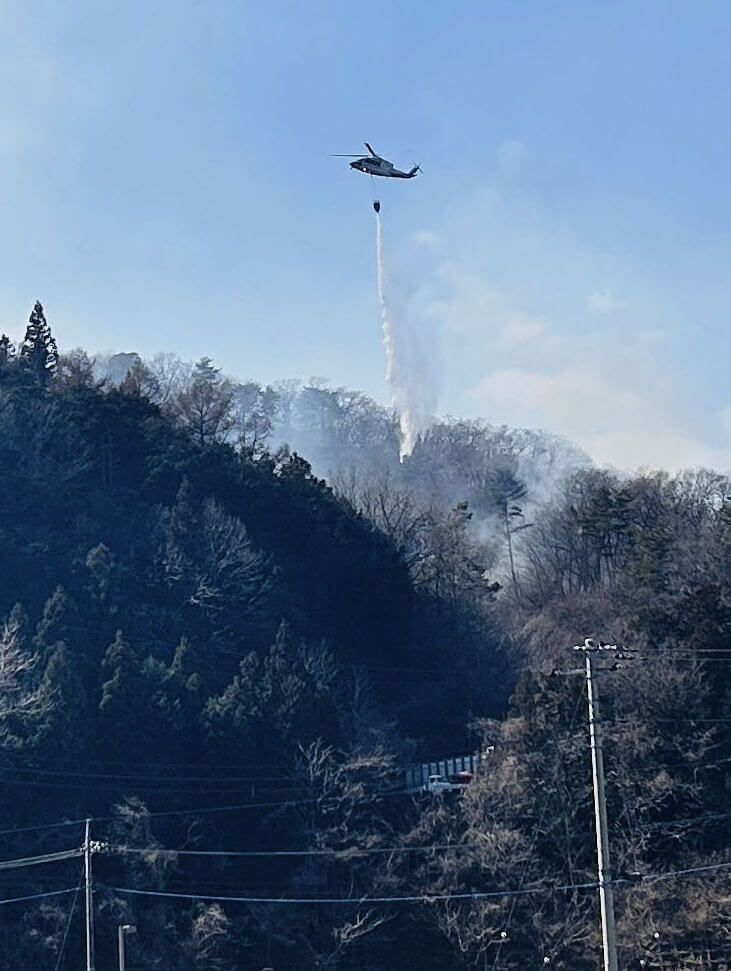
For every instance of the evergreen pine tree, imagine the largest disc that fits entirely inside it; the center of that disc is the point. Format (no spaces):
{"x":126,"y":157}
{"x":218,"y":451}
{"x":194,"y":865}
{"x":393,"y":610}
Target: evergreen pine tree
{"x":38,"y":352}
{"x":7,"y":351}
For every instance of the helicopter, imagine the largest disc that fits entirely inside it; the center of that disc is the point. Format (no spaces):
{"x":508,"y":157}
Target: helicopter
{"x":374,"y":164}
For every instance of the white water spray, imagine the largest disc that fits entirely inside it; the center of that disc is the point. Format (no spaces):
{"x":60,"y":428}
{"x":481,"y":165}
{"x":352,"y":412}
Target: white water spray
{"x":407,"y":390}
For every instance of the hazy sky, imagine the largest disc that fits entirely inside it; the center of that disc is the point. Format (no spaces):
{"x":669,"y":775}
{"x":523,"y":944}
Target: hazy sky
{"x":166,"y":184}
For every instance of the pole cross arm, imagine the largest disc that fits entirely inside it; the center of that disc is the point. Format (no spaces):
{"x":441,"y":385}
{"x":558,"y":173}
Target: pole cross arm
{"x":591,"y":645}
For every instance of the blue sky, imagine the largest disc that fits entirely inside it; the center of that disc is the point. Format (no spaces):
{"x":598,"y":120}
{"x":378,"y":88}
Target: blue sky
{"x":564,"y":262}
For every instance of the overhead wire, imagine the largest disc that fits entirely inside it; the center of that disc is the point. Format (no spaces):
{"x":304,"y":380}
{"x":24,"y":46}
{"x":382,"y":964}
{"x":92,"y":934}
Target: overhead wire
{"x":36,"y":896}
{"x":653,"y":877}
{"x":365,"y":899}
{"x":136,"y":776}
{"x":221,"y":783}
{"x":189,"y":811}
{"x":37,"y":860}
{"x":273,"y":804}
{"x":424,"y":898}
{"x":629,"y":720}
{"x":40,"y":826}
{"x":334,"y":852}
{"x":673,"y":651}
{"x":157,"y":777}
{"x":62,"y":949}
{"x":689,"y":763}
{"x":683,"y":656}
{"x":688,"y":821}
{"x":97,"y":786}
{"x":349,"y":852}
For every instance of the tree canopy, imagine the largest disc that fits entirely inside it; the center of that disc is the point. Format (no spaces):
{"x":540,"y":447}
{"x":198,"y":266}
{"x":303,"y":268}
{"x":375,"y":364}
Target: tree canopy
{"x":228,"y":662}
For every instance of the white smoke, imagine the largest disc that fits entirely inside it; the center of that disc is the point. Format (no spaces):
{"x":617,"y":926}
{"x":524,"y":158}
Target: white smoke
{"x":412,"y":389}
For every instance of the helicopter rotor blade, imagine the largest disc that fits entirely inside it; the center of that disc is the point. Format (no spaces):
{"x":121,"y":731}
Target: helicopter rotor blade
{"x":341,"y":155}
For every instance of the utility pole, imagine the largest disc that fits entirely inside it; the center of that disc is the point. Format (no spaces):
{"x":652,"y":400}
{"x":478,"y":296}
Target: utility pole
{"x":606,"y":894}
{"x":89,"y":899}
{"x":122,"y":931}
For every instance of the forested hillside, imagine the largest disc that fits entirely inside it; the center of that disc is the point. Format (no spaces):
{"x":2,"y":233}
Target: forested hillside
{"x":226,"y":662}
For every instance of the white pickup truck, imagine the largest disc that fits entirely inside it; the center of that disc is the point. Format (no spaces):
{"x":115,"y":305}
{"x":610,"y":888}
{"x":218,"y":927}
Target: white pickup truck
{"x":439,"y":783}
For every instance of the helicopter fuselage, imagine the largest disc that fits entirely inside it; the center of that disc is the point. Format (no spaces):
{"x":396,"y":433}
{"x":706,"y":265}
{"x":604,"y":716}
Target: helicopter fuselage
{"x":372,"y":165}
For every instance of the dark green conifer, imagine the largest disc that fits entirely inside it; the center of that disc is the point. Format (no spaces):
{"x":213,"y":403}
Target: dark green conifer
{"x":38,"y":352}
{"x":7,"y":351}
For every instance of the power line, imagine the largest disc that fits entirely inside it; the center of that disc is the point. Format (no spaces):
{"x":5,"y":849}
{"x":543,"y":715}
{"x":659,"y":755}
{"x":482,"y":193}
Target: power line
{"x":629,"y":720}
{"x":223,"y":778}
{"x":688,"y":821}
{"x":246,"y":805}
{"x":68,"y":922}
{"x":192,"y":811}
{"x":178,"y":765}
{"x":672,"y":651}
{"x":405,"y":899}
{"x":37,"y":896}
{"x":652,"y":877}
{"x":689,"y":656}
{"x":33,"y":829}
{"x":57,"y":784}
{"x":679,"y":656}
{"x":689,"y":763}
{"x":223,"y":787}
{"x":187,"y":811}
{"x":424,"y":898}
{"x":336,"y":853}
{"x":347,"y":852}
{"x":37,"y":860}
{"x":680,"y":945}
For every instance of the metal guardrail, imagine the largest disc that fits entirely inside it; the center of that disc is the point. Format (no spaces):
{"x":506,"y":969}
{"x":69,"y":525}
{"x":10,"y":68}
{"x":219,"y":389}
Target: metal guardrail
{"x":416,"y":776}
